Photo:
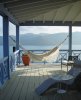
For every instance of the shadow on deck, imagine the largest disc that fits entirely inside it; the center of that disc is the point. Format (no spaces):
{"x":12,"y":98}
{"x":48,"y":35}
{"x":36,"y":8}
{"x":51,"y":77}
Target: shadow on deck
{"x":25,"y":79}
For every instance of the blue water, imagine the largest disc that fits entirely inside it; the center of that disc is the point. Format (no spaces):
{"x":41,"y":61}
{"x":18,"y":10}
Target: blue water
{"x":1,"y":50}
{"x":74,"y":47}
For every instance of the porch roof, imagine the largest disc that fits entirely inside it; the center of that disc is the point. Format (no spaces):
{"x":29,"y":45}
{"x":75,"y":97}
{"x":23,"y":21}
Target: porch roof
{"x":42,"y":12}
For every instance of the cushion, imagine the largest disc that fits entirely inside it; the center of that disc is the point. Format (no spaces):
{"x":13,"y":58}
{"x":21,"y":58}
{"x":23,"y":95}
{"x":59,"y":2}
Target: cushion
{"x":74,"y":71}
{"x":77,"y":63}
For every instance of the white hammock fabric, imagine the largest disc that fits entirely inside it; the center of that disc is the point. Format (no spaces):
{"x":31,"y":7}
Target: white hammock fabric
{"x":50,"y":56}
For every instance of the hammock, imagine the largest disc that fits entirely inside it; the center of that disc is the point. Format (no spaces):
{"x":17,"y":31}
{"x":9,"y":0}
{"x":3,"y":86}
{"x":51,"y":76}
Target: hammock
{"x":50,"y":56}
{"x":45,"y":57}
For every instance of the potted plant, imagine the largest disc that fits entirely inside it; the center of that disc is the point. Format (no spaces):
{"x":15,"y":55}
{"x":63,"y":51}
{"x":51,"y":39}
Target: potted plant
{"x":25,"y":59}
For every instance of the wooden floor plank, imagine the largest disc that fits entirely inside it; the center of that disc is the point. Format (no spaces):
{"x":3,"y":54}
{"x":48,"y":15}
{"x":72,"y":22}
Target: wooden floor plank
{"x":36,"y":82}
{"x":11,"y":90}
{"x":30,"y":91}
{"x":8,"y":85}
{"x":19,"y":87}
{"x":8,"y":82}
{"x":25,"y":86}
{"x":24,"y":81}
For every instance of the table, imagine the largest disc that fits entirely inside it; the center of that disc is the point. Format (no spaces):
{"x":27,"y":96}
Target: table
{"x":60,"y":78}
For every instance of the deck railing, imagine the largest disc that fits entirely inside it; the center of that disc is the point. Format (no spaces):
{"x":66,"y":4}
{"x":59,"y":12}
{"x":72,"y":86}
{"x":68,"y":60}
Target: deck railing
{"x":63,"y":54}
{"x":3,"y":70}
{"x":7,"y":66}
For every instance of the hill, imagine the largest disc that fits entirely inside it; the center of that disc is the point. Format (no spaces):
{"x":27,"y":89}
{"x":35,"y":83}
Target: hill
{"x":44,"y":39}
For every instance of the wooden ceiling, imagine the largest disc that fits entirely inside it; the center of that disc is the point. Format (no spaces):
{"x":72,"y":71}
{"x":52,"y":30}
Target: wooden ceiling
{"x":44,"y":10}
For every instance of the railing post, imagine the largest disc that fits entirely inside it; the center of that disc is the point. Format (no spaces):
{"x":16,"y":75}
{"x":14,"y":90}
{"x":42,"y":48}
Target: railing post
{"x":2,"y":74}
{"x":17,"y":37}
{"x":61,"y":63}
{"x":6,"y":41}
{"x":19,"y":57}
{"x":70,"y":41}
{"x":17,"y":43}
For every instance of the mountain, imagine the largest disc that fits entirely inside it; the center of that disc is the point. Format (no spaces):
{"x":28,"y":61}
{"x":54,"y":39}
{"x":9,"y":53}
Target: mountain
{"x":48,"y":39}
{"x":40,"y":39}
{"x":11,"y":42}
{"x":44,"y":39}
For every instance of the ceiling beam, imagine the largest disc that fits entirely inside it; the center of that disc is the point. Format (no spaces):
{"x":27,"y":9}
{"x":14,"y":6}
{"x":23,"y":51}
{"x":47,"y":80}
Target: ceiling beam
{"x":77,"y":14}
{"x":73,"y":10}
{"x":50,"y":23}
{"x":67,"y":12}
{"x":24,"y":3}
{"x":7,"y":1}
{"x":25,"y":17}
{"x":31,"y":18}
{"x":31,"y":8}
{"x":39,"y":6}
{"x":35,"y":3}
{"x":43,"y":18}
{"x":30,"y":12}
{"x":76,"y":17}
{"x":43,"y":10}
{"x":4,"y":12}
{"x":54,"y":17}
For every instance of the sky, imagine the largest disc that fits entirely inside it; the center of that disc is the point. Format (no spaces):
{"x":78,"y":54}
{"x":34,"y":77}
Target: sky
{"x":37,"y":29}
{"x":42,"y":29}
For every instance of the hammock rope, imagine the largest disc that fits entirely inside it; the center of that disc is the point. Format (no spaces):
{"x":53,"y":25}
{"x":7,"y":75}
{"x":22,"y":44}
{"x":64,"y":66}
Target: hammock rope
{"x":19,"y":44}
{"x":44,"y":57}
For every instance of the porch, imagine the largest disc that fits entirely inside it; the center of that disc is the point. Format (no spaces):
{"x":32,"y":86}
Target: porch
{"x":21,"y":83}
{"x":25,"y":79}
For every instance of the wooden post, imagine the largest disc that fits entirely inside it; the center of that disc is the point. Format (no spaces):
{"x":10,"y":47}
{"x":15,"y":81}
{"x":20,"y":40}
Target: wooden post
{"x":70,"y":41}
{"x":6,"y":41}
{"x":17,"y":37}
{"x":17,"y":43}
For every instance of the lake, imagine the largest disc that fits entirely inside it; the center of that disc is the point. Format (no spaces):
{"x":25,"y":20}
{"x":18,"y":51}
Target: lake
{"x":28,"y":47}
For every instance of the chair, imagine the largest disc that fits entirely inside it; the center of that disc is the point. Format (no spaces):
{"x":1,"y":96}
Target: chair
{"x":74,"y":84}
{"x":76,"y":72}
{"x":68,"y":62}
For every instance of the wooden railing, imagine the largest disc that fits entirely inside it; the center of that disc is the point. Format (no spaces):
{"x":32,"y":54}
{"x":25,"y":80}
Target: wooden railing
{"x":62,"y":54}
{"x":3,"y":70}
{"x":7,"y":66}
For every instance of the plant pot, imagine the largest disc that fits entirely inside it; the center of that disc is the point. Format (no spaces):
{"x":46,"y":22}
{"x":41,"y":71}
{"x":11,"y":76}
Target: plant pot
{"x":26,"y":60}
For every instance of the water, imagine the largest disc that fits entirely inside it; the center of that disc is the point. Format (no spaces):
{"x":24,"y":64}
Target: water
{"x":1,"y":51}
{"x":74,"y":47}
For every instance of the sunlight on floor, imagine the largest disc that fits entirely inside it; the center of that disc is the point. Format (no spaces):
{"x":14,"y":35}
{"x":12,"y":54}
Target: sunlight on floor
{"x":41,"y":69}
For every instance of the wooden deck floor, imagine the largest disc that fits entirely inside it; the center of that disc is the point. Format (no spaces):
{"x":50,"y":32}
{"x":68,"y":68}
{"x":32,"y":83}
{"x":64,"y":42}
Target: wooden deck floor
{"x":24,"y":80}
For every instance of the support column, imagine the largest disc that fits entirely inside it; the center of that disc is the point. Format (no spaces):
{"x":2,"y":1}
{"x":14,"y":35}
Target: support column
{"x":5,"y":36}
{"x":6,"y":41}
{"x":70,"y":41}
{"x":17,"y":43}
{"x":17,"y":37}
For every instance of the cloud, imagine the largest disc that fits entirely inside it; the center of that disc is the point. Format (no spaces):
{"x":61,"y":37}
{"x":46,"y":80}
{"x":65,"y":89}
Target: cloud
{"x":76,"y":29}
{"x":42,"y":29}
